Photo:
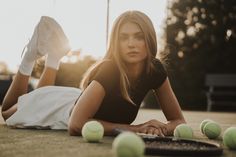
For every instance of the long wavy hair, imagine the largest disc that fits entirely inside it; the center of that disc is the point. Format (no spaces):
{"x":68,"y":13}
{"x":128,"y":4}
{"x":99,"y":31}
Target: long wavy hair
{"x":145,"y":24}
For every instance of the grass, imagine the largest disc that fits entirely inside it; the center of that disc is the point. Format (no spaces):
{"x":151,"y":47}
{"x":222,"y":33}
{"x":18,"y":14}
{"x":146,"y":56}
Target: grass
{"x":47,"y":143}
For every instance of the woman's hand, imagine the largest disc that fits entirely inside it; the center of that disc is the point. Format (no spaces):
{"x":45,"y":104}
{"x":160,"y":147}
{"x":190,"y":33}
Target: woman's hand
{"x":153,"y":127}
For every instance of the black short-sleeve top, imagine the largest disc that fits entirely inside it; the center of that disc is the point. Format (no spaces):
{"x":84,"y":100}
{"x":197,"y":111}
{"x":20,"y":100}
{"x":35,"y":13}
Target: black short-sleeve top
{"x":114,"y":108}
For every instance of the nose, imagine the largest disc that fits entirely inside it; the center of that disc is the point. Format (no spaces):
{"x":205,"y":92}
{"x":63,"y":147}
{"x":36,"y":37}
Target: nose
{"x":131,"y":42}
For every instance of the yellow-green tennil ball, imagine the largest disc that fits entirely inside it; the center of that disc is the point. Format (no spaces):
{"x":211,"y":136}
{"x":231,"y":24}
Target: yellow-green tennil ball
{"x":212,"y":130}
{"x":128,"y":144}
{"x":203,"y":123}
{"x":183,"y":131}
{"x":229,"y":138}
{"x":92,"y":131}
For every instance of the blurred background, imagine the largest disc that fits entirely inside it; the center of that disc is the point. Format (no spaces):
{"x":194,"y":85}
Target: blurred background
{"x":197,"y":38}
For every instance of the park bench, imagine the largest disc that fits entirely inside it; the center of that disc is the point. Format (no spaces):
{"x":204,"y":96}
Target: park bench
{"x":221,"y":90}
{"x":5,"y":82}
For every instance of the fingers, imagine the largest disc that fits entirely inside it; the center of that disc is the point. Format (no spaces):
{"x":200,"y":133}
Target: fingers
{"x":153,"y":127}
{"x":156,"y":123}
{"x":152,"y":131}
{"x":161,"y":127}
{"x":159,"y":132}
{"x":164,"y":130}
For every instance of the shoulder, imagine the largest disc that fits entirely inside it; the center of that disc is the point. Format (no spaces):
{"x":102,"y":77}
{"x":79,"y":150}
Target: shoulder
{"x":107,"y":67}
{"x":108,"y":64}
{"x":158,"y":65}
{"x":107,"y":74}
{"x":158,"y":68}
{"x":158,"y":74}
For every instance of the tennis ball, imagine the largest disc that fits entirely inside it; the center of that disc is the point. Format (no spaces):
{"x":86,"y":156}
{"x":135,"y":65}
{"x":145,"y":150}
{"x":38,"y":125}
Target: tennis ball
{"x":203,"y":123}
{"x":183,"y":131}
{"x":229,"y":138}
{"x":128,"y":144}
{"x":212,"y":130}
{"x":92,"y":131}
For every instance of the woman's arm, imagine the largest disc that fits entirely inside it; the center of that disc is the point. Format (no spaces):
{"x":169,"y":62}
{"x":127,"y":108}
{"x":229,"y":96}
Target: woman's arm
{"x":91,"y":99}
{"x":170,"y":106}
{"x":86,"y":107}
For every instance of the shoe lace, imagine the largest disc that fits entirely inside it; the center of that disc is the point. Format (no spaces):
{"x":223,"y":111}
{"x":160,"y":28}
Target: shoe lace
{"x":23,"y":51}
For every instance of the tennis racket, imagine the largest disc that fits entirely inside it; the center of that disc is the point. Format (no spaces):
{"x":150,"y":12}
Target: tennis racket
{"x":156,"y":145}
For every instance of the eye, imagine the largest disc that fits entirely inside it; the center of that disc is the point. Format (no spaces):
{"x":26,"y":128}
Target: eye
{"x":140,"y":36}
{"x":123,"y":37}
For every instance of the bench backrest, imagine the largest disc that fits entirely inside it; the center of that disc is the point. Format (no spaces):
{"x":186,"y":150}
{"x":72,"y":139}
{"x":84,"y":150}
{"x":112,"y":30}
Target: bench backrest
{"x":221,"y":80}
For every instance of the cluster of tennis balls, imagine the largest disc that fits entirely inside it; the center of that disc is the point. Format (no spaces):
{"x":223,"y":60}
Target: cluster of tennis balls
{"x":129,"y":144}
{"x":213,"y":130}
{"x":126,"y":144}
{"x":209,"y":128}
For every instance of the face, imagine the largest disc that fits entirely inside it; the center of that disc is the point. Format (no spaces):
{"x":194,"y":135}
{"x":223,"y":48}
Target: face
{"x":132,"y":44}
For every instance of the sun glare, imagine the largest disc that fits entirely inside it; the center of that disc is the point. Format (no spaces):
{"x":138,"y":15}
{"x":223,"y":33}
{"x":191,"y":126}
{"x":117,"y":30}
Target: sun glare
{"x":84,"y":22}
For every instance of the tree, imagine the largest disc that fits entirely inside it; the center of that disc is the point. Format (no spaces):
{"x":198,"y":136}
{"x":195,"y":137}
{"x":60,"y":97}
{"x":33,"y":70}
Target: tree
{"x":70,"y":72}
{"x":200,"y":37}
{"x":4,"y":69}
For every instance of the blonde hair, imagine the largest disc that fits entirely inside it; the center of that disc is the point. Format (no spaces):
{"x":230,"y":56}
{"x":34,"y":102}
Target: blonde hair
{"x":113,"y":54}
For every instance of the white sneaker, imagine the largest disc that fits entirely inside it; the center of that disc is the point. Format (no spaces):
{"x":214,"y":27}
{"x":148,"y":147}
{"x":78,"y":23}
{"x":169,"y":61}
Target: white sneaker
{"x":32,"y":53}
{"x":52,"y":39}
{"x":48,"y":38}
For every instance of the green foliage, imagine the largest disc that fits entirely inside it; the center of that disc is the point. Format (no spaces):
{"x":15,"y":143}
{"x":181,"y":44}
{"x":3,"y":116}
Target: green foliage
{"x":4,"y":71}
{"x":201,"y":39}
{"x":69,"y":74}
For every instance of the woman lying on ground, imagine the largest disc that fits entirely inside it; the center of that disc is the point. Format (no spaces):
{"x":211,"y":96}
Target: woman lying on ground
{"x":111,"y":91}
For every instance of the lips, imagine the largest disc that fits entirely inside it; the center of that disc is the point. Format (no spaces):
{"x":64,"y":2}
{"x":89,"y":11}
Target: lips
{"x":131,"y":53}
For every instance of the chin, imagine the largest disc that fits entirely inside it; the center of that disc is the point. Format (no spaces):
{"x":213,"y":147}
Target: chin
{"x":133,"y":61}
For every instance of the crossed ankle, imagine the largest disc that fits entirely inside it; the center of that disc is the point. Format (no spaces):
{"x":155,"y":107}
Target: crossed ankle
{"x":26,"y":68}
{"x":52,"y":63}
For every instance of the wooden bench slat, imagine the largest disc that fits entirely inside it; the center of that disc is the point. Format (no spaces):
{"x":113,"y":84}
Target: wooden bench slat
{"x":222,"y":93}
{"x":222,"y":89}
{"x":223,"y":103}
{"x":221,"y":80}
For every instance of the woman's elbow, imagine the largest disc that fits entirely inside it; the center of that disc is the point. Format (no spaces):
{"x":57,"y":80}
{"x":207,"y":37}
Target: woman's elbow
{"x":181,"y":121}
{"x":74,"y":130}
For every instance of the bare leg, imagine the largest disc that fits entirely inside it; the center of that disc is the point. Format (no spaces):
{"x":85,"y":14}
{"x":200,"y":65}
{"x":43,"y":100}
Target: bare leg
{"x":19,"y":86}
{"x":48,"y":38}
{"x":48,"y":77}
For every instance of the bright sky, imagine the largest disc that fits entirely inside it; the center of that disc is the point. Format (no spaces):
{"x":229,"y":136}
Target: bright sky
{"x":84,"y":22}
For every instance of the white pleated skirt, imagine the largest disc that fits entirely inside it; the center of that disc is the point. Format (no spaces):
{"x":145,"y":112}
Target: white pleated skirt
{"x":47,"y":107}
